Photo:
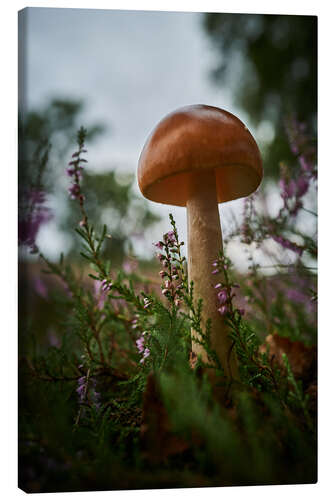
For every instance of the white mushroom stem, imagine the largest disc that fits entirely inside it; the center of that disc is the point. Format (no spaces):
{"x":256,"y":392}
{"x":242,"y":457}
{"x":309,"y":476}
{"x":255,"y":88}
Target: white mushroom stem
{"x":204,"y":245}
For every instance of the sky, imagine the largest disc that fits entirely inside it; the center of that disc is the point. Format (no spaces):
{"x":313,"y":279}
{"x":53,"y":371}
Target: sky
{"x":131,"y":68}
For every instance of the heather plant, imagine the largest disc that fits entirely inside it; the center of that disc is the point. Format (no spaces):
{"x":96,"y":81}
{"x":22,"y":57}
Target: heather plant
{"x":117,"y":399}
{"x":257,"y":227}
{"x":287,"y":301}
{"x":46,"y":135}
{"x":33,"y":212}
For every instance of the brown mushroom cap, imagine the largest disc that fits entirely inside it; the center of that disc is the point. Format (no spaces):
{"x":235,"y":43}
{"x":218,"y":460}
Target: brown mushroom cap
{"x":194,"y":139}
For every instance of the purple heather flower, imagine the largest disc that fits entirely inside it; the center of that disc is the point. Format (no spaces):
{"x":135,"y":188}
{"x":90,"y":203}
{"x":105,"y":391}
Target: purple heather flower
{"x":288,"y":244}
{"x":146,"y":353}
{"x":222,"y":296}
{"x":171,"y":236}
{"x":287,"y":189}
{"x":292,"y":188}
{"x":74,"y":191}
{"x":70,"y":171}
{"x":297,"y":296}
{"x":100,"y":294}
{"x":216,"y":271}
{"x":28,"y":228}
{"x":159,"y":245}
{"x":40,"y":287}
{"x":130,"y":265}
{"x":135,"y":321}
{"x":141,"y":347}
{"x":140,"y":344}
{"x":36,"y":197}
{"x":306,"y":165}
{"x":222,"y":310}
{"x":106,"y":285}
{"x":219,"y":285}
{"x":146,"y":302}
{"x":302,"y":186}
{"x":81,"y":388}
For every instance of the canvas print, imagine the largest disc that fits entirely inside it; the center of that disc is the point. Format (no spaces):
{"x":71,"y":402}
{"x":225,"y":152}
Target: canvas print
{"x":167,"y":250}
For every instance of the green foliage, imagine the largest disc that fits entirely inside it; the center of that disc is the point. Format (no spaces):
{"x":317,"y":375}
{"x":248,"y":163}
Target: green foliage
{"x":108,"y":199}
{"x":118,"y":402}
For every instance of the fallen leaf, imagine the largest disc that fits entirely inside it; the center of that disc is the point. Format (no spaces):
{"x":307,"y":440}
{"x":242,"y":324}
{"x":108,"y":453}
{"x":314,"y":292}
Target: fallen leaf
{"x":302,"y":358}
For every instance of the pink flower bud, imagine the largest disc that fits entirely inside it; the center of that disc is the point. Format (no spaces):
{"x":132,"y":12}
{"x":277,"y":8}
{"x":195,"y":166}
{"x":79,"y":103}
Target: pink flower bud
{"x":222,"y":310}
{"x":222,"y":296}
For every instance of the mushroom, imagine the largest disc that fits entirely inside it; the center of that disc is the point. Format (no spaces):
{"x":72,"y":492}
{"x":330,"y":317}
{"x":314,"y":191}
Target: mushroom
{"x":199,"y":156}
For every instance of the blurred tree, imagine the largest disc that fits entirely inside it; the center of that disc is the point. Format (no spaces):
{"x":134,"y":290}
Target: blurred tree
{"x":110,"y":200}
{"x":55,"y":124}
{"x":270,"y":63}
{"x":46,"y":138}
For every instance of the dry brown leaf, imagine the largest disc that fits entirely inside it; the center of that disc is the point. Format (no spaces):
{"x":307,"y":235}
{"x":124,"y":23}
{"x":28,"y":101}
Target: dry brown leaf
{"x":302,"y":359}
